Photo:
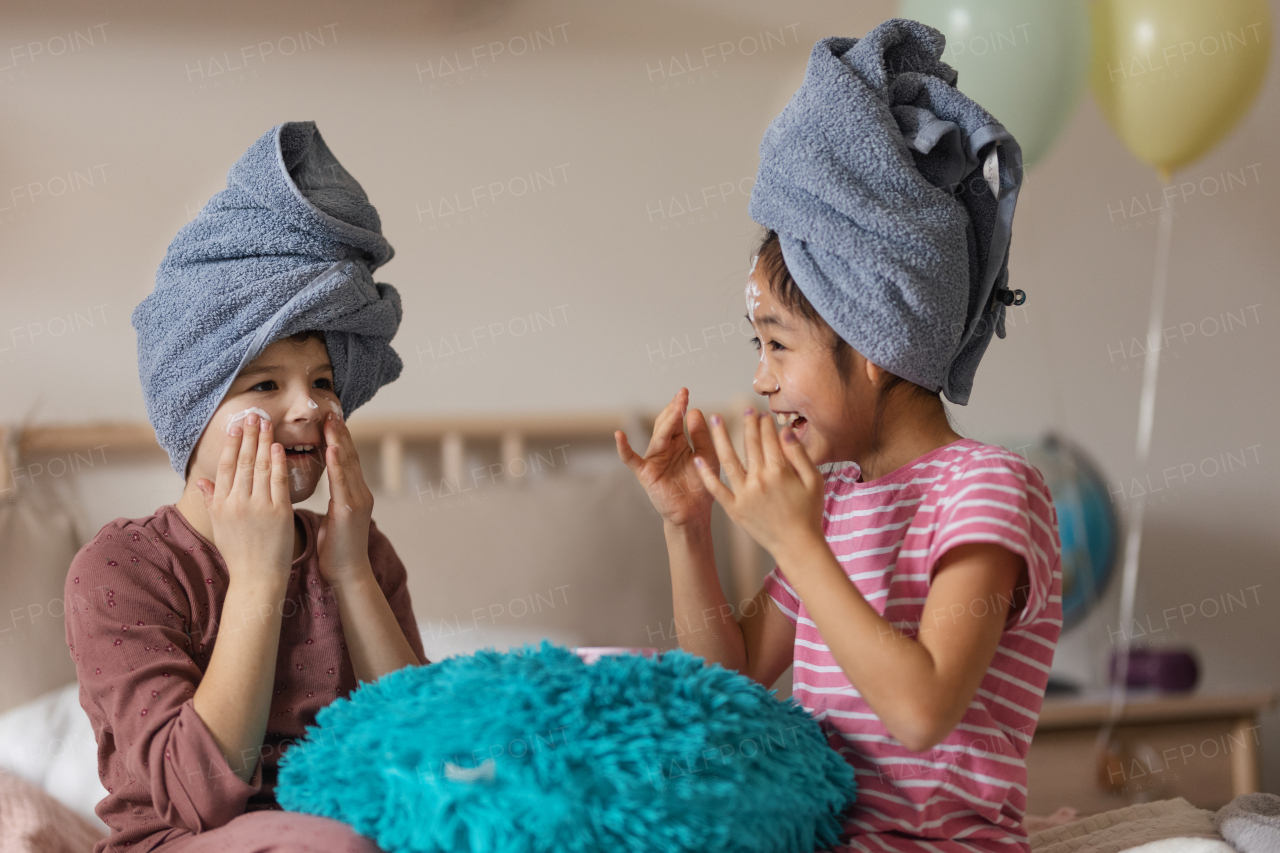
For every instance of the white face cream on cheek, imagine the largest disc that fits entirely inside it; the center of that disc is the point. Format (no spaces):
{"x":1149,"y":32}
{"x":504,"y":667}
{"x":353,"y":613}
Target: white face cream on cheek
{"x":337,"y":410}
{"x":240,"y":416}
{"x":311,"y":404}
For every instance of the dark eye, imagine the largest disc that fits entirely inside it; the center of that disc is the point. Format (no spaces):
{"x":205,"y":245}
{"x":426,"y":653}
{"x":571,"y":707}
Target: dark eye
{"x":261,"y":386}
{"x":775,"y":346}
{"x":327,"y":384}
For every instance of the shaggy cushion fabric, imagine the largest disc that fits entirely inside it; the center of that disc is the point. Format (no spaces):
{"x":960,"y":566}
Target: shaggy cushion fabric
{"x":535,"y":750}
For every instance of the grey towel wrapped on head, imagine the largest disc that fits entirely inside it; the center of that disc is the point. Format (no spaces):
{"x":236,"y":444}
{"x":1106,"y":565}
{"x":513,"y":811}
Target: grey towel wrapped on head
{"x":291,"y":244}
{"x":1251,"y":823}
{"x":893,"y":196}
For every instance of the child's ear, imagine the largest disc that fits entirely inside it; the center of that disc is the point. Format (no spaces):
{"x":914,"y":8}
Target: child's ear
{"x":875,"y":373}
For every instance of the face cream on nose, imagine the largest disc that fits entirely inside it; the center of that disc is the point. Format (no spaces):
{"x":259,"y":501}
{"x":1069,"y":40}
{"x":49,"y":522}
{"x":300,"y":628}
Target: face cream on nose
{"x":240,"y":416}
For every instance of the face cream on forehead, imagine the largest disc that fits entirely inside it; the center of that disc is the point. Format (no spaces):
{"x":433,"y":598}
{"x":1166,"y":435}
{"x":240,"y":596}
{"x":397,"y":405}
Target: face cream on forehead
{"x":753,"y":291}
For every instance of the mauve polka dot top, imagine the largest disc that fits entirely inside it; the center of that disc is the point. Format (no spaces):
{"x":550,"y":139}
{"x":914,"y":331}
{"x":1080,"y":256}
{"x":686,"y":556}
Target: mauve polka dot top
{"x":144,"y":601}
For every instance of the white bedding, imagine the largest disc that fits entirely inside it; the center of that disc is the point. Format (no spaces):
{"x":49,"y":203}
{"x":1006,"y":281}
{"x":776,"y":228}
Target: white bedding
{"x":49,"y":742}
{"x":1184,"y":845}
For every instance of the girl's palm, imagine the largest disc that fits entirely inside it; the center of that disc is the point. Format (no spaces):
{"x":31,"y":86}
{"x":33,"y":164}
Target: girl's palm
{"x":667,"y":471}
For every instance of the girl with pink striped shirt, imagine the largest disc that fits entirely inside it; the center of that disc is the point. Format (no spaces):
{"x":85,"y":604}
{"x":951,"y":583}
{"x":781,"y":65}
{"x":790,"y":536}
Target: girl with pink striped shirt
{"x":917,"y":592}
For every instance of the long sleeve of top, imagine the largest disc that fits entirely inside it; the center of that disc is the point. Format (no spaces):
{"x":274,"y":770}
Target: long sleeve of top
{"x":144,"y":607}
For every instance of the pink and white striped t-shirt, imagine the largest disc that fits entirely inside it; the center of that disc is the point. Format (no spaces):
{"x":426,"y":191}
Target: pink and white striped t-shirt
{"x":969,"y":792}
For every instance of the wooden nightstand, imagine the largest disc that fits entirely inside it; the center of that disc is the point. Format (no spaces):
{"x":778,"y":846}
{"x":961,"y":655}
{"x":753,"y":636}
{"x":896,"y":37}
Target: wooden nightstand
{"x":1200,"y":746}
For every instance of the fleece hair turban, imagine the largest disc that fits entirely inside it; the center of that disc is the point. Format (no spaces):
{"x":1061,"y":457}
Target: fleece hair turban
{"x":291,"y":244}
{"x":893,"y":196}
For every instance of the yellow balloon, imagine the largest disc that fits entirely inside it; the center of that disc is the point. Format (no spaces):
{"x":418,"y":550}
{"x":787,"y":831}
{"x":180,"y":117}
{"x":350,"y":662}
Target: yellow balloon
{"x":1175,"y":76}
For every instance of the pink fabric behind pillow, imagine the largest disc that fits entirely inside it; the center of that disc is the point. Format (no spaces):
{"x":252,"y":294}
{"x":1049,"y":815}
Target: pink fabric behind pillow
{"x":31,"y":821}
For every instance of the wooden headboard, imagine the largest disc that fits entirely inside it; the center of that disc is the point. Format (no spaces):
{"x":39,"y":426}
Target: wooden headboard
{"x":391,"y":435}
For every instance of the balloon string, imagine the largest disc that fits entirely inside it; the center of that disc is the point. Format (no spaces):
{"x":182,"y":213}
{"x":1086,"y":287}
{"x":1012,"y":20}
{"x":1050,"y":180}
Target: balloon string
{"x":1146,"y":423}
{"x":1151,"y":367}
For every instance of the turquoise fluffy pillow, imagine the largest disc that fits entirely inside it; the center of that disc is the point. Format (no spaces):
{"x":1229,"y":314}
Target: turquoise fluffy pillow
{"x":532,"y":751}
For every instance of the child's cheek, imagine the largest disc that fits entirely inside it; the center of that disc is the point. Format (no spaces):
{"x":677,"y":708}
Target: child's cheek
{"x":239,"y":417}
{"x":798,"y":395}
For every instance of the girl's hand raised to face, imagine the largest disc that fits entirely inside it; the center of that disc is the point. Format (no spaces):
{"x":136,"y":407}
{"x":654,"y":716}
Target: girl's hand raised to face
{"x":249,"y":504}
{"x":777,"y":495}
{"x":343,"y":538}
{"x":667,"y":471}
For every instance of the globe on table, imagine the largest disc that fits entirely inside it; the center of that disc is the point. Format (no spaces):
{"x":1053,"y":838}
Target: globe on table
{"x":1087,"y":522}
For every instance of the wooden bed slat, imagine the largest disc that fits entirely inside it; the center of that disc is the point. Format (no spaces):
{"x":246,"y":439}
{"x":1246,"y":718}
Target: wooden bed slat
{"x":512,"y":432}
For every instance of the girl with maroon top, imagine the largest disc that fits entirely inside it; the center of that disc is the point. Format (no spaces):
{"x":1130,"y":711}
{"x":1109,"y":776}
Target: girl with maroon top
{"x":207,"y":636}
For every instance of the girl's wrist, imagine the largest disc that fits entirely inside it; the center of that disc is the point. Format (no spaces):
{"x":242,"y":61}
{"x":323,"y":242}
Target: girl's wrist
{"x":351,"y":577}
{"x":258,"y":581}
{"x":693,"y":530}
{"x":690,"y":545}
{"x":801,"y":550}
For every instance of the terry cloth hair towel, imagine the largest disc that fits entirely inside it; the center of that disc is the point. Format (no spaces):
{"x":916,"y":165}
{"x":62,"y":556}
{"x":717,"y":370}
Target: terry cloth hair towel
{"x":1251,"y":823}
{"x":291,"y":244}
{"x":893,"y":195}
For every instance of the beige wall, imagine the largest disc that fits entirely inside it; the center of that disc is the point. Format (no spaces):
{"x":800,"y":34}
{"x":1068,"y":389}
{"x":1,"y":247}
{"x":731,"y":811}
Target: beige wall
{"x":601,"y":250}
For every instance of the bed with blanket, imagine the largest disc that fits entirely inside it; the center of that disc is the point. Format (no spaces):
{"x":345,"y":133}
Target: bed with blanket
{"x":49,"y":787}
{"x":1163,"y":826}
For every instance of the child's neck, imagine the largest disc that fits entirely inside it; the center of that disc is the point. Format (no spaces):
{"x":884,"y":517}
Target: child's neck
{"x":907,"y":433}
{"x":191,"y":505}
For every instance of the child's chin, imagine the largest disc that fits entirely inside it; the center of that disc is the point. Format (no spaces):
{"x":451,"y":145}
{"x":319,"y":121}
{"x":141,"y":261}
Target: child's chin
{"x":299,"y":495}
{"x":305,"y":474}
{"x":816,"y":450}
{"x":818,"y":459}
{"x":806,"y":438}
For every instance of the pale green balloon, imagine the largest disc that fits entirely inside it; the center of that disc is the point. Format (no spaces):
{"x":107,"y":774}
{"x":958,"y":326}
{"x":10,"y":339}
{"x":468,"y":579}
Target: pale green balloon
{"x":1025,"y":61}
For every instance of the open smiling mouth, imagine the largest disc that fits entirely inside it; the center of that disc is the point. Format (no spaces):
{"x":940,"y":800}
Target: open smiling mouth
{"x":305,"y":455}
{"x":792,"y":419}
